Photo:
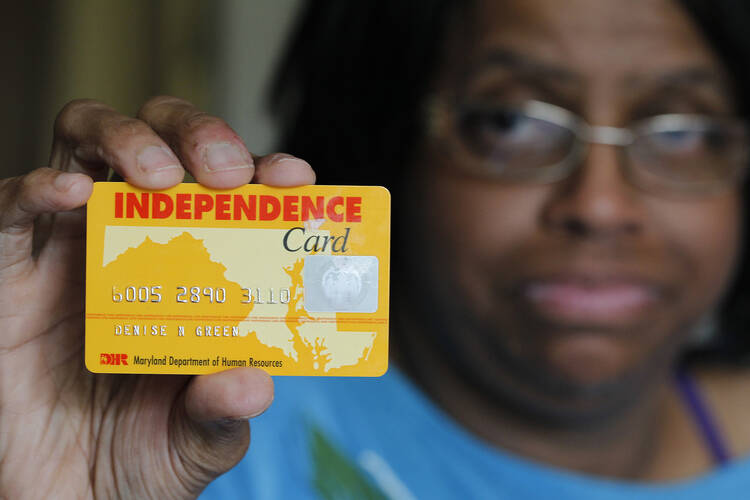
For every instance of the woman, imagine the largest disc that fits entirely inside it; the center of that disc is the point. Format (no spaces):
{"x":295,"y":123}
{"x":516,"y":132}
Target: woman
{"x":570,"y":227}
{"x":568,"y":187}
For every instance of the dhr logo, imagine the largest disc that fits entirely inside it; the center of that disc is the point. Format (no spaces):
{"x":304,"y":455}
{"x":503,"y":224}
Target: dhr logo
{"x":113,"y":359}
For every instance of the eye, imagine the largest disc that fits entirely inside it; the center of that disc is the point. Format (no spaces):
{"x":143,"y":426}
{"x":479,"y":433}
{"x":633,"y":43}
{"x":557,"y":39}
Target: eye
{"x":500,"y":127}
{"x":513,"y":142}
{"x":499,"y":131}
{"x":680,"y":141}
{"x":499,"y":120}
{"x":713,"y":140}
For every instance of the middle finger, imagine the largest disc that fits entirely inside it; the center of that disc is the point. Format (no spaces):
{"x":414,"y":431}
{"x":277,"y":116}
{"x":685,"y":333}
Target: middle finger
{"x":206,"y":145}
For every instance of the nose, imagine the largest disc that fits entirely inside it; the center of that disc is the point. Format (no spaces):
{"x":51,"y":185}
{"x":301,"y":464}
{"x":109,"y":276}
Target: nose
{"x":595,"y":201}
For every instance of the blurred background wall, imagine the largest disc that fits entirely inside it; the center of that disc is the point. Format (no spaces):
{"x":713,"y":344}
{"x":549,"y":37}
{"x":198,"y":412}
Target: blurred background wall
{"x":217,"y":54}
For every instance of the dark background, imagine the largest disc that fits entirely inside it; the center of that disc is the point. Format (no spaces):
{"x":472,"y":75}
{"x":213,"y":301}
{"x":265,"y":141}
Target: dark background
{"x":217,"y":54}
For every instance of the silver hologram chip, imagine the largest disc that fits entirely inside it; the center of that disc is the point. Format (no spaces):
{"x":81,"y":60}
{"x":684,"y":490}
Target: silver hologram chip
{"x":341,"y":283}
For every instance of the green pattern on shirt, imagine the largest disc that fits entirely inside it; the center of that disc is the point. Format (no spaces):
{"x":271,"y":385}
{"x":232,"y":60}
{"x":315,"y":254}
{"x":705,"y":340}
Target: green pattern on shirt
{"x":336,"y":476}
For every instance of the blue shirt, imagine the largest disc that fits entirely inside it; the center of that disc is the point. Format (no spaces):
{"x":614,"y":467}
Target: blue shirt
{"x":382,"y":438}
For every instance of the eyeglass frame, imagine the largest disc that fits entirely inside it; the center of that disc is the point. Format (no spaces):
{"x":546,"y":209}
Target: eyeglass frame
{"x":586,"y":134}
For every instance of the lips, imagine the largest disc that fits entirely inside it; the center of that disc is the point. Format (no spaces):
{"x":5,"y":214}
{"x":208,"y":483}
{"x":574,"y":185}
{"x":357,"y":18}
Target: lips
{"x":590,"y":300}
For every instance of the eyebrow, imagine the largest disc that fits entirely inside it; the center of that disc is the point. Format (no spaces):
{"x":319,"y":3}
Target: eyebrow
{"x":685,"y":77}
{"x":523,"y":64}
{"x":529,"y":66}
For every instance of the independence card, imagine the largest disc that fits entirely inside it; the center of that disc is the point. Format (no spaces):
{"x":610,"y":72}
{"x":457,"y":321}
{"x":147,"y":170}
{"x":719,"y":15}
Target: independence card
{"x":191,"y":280}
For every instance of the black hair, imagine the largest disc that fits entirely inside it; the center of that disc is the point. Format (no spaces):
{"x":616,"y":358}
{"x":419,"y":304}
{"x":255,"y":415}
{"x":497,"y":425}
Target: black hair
{"x":724,"y":24}
{"x":350,"y":91}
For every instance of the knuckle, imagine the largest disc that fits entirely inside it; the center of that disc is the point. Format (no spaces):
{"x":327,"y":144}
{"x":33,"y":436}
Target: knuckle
{"x":158,"y":101}
{"x":10,"y":188}
{"x":201,"y":129}
{"x":194,"y":130}
{"x":203,"y":122}
{"x":122,"y":131}
{"x":14,"y":190}
{"x":181,"y":124}
{"x":28,"y":181}
{"x":70,"y":114}
{"x":25,"y":183}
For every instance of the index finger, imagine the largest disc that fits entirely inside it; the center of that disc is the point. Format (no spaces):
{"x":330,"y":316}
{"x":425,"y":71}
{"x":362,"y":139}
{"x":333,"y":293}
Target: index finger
{"x":90,"y":136}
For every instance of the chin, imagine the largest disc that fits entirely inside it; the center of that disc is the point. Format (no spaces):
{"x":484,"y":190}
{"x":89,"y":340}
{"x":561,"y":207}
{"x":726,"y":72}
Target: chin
{"x":568,"y":378}
{"x":588,"y":360}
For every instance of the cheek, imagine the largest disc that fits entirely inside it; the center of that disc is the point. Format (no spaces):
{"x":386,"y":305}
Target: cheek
{"x":708,"y":235}
{"x":474,"y":226}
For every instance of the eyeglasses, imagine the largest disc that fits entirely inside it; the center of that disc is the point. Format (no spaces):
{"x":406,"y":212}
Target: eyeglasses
{"x":683,"y":154}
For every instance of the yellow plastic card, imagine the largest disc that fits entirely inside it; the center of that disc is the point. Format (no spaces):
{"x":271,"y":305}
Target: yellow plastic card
{"x":191,"y":280}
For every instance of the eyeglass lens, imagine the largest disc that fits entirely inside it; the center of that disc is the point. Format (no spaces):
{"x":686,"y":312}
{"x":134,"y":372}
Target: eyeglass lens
{"x":508,"y":143}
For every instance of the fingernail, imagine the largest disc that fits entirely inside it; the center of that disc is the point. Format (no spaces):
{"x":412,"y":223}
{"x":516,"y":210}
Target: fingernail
{"x":258,"y":412}
{"x":248,"y":417}
{"x":221,"y":156}
{"x":63,"y":182}
{"x":281,"y":157}
{"x":156,"y":159}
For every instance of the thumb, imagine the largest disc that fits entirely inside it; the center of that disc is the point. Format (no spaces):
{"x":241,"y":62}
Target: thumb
{"x":23,"y":199}
{"x":212,"y":430}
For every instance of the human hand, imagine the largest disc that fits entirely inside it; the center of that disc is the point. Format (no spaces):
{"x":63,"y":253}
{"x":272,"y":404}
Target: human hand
{"x":65,"y":432}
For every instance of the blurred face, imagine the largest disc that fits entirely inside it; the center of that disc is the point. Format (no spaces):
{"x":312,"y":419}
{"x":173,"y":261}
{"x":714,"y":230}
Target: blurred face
{"x":568,"y":296}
